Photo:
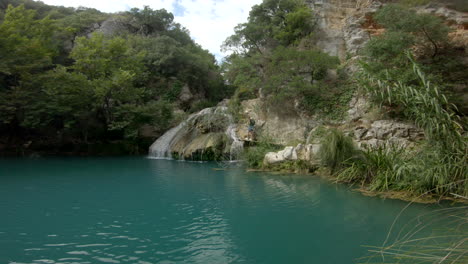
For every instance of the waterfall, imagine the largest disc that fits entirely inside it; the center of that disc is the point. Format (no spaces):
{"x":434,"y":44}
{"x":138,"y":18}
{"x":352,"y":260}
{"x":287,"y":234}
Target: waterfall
{"x":161,"y":148}
{"x":237,"y":146}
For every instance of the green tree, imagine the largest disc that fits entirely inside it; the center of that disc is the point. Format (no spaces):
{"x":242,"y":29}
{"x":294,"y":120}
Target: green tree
{"x":293,"y":74}
{"x":245,"y":73}
{"x":58,"y":86}
{"x":148,"y":21}
{"x":25,"y":45}
{"x":428,"y":31}
{"x":271,"y":23}
{"x":405,"y":29}
{"x":26,"y":48}
{"x":67,"y":103}
{"x":111,"y":66}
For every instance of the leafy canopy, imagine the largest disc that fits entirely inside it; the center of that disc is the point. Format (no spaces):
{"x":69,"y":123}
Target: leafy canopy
{"x":405,"y":29}
{"x":272,"y":23}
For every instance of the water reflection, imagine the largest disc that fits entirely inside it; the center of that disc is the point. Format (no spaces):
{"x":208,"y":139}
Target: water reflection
{"x":128,"y":210}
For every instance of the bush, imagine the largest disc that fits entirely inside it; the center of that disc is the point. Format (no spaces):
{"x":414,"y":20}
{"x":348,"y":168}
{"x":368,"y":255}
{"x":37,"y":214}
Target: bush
{"x":381,"y":167}
{"x":439,"y":167}
{"x":336,"y":150}
{"x":200,"y":105}
{"x":425,"y":34}
{"x":329,"y":99}
{"x":254,"y":155}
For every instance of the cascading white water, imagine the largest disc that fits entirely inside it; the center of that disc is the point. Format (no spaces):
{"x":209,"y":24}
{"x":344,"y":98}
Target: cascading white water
{"x":237,"y":146}
{"x":161,"y":148}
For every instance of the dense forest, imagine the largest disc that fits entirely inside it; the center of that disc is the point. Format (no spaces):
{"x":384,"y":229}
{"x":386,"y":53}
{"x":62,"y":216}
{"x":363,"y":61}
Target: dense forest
{"x":82,"y":81}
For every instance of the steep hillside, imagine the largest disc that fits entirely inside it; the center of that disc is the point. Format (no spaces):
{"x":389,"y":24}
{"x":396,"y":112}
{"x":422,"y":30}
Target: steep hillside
{"x":80,"y":81}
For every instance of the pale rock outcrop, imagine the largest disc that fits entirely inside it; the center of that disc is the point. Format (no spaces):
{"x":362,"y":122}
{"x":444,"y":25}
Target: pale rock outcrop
{"x":339,"y":23}
{"x":330,"y":15}
{"x":450,"y":15}
{"x":208,"y":134}
{"x":112,"y":26}
{"x":281,"y":129}
{"x":386,"y":132}
{"x":358,"y":107}
{"x":301,"y":152}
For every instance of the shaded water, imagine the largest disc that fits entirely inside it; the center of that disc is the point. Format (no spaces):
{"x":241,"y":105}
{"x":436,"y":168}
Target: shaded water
{"x":138,"y":210}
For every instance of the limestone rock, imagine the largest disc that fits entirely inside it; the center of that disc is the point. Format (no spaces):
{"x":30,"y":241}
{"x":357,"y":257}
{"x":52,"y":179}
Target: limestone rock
{"x":354,"y":34}
{"x":203,"y":135}
{"x":300,"y":152}
{"x":452,"y":16}
{"x":358,"y":106}
{"x":284,"y":155}
{"x":281,"y":129}
{"x":112,"y":26}
{"x":387,"y":132}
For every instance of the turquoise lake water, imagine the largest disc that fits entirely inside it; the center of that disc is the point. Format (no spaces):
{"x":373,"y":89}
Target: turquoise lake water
{"x":138,"y":210}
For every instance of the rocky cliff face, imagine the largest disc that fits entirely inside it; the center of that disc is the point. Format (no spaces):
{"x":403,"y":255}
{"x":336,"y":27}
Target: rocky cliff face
{"x":339,"y":24}
{"x":343,"y":28}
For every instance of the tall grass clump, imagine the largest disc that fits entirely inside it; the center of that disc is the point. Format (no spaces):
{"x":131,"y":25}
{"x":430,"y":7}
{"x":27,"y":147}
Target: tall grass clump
{"x":336,"y":150}
{"x":440,"y":165}
{"x":439,"y":236}
{"x":382,"y":168}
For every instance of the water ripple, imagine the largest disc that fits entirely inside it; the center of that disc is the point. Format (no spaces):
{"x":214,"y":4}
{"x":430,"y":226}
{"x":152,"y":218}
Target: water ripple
{"x":93,"y":245}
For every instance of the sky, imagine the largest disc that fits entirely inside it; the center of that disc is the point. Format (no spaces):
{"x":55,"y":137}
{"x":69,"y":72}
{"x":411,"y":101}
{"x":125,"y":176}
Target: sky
{"x":210,"y":22}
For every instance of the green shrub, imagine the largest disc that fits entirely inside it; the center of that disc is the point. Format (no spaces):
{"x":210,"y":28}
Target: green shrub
{"x":254,"y":155}
{"x":328,"y":99}
{"x":173,"y":92}
{"x":440,"y":166}
{"x":200,"y":105}
{"x":427,"y":171}
{"x":405,"y":29}
{"x":381,"y":167}
{"x":336,"y":150}
{"x":423,"y":103}
{"x":414,"y":2}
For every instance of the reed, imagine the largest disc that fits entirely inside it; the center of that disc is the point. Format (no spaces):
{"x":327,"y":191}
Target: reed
{"x":437,"y":237}
{"x":336,"y":150}
{"x":440,"y":165}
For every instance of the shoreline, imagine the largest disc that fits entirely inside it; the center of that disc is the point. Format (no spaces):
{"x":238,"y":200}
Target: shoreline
{"x":364,"y":190}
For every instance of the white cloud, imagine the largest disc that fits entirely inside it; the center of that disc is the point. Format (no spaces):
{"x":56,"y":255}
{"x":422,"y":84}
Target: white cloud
{"x":210,"y":21}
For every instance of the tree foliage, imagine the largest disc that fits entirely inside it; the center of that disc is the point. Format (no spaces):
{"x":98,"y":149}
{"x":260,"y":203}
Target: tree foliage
{"x":405,"y":29}
{"x":59,"y":81}
{"x":148,"y":21}
{"x":272,"y":23}
{"x":25,"y":45}
{"x":270,"y":58}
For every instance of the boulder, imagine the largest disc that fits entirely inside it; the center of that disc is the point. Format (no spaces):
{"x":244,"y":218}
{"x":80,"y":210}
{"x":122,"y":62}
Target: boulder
{"x":300,"y":152}
{"x":286,"y":154}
